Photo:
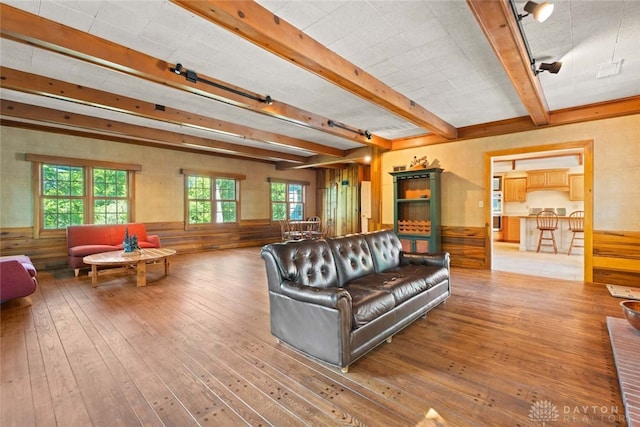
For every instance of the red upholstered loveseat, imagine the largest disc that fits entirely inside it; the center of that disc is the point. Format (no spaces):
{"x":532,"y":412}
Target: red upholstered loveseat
{"x":83,"y":240}
{"x":17,"y":277}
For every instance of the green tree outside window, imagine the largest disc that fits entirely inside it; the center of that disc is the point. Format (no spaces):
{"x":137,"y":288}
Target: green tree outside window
{"x":62,"y":196}
{"x":287,"y":201}
{"x":203,"y":197}
{"x":110,"y":204}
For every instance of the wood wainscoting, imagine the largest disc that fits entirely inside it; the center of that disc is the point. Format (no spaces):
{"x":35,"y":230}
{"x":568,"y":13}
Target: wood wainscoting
{"x":467,"y":246}
{"x":616,"y":257}
{"x":50,"y":252}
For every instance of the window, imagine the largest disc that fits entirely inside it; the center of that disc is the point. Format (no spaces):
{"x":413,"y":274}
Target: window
{"x":76,"y":191}
{"x":211,"y":198}
{"x":110,"y":196}
{"x":226,"y":204}
{"x":287,"y":201}
{"x":63,"y":196}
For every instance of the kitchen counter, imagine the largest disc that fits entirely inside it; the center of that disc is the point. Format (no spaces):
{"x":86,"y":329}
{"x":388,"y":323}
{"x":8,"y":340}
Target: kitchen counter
{"x":529,"y":234}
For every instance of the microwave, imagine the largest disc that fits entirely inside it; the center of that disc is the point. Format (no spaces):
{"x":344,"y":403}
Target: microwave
{"x":497,"y":183}
{"x":496,"y":203}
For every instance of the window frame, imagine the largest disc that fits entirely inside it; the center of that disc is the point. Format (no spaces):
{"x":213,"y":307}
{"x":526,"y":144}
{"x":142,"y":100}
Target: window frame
{"x":213,"y":176}
{"x":88,"y":166}
{"x":303,"y":184}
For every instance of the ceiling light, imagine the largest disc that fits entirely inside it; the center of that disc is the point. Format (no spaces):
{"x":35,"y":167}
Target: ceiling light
{"x":553,"y":67}
{"x":540,"y":11}
{"x":177,"y":69}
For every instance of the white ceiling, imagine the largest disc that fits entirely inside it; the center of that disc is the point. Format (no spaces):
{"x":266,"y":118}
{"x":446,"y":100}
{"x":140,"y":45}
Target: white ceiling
{"x":432,"y":52}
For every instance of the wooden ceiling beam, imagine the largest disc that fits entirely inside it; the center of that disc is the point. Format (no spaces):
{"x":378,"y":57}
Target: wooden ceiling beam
{"x":258,"y":25}
{"x":24,"y":27}
{"x":40,"y":85}
{"x":566,"y":116}
{"x":108,"y":129}
{"x":357,"y":155}
{"x":501,"y":29}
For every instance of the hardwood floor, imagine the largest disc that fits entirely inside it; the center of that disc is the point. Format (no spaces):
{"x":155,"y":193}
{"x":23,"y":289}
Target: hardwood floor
{"x":194,"y":348}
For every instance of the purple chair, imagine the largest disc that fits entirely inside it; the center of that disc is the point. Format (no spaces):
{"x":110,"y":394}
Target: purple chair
{"x":17,"y":277}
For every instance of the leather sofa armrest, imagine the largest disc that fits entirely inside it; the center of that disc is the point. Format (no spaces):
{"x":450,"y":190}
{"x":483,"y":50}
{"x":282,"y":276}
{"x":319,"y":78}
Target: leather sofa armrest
{"x":442,"y":259}
{"x":327,"y":297}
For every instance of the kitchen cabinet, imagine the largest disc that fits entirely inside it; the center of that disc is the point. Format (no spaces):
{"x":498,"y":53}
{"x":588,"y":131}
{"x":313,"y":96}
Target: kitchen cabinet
{"x":556,"y":179}
{"x":416,"y":206}
{"x":515,"y":189}
{"x":511,"y":229}
{"x":576,"y":187}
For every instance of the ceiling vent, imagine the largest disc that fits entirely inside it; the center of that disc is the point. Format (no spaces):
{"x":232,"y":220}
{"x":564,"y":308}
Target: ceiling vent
{"x":608,"y":69}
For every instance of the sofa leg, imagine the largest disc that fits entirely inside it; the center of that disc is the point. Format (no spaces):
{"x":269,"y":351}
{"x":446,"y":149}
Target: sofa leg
{"x":76,"y":271}
{"x":345,"y":370}
{"x":389,"y":340}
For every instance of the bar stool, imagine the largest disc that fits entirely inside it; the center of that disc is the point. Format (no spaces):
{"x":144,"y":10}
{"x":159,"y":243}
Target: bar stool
{"x":576,"y":225}
{"x":547,"y":222}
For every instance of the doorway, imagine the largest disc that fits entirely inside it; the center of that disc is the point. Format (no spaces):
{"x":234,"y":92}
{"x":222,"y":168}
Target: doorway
{"x":516,"y":251}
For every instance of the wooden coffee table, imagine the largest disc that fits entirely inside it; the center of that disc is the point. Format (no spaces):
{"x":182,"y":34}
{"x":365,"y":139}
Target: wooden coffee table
{"x":139,"y":259}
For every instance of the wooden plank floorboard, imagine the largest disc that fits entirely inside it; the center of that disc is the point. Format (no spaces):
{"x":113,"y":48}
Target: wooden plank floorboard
{"x":214,"y":373}
{"x":194,"y":348}
{"x":15,"y":379}
{"x":105,"y":346}
{"x":87,"y":365}
{"x":177,"y":396}
{"x":67,"y":400}
{"x":219,"y":331}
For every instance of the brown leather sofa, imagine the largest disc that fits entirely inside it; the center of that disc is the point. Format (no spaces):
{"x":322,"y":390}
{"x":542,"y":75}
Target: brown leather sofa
{"x":338,"y":298}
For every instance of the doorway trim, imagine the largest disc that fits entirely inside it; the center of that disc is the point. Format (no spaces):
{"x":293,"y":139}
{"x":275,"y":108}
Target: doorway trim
{"x":587,"y":146}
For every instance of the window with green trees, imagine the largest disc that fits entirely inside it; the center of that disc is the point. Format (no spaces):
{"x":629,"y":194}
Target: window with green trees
{"x":287,"y":201}
{"x":77,"y":191}
{"x":110,"y":196}
{"x":211,"y":200}
{"x":63,"y":196}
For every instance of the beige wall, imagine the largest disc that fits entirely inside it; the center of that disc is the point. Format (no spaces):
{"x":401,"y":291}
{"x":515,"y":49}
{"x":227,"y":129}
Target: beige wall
{"x":159,"y":186}
{"x":616,"y":171}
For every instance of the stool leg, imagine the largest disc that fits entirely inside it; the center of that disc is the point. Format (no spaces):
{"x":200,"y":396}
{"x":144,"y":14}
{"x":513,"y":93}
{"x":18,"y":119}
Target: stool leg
{"x":539,"y":240}
{"x":571,"y":244}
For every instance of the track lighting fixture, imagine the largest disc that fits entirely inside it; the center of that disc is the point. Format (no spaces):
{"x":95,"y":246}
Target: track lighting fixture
{"x":192,"y":77}
{"x":364,"y":133}
{"x":553,"y":67}
{"x":540,"y":11}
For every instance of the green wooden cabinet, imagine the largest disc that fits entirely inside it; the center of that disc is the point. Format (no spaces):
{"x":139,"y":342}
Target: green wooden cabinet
{"x":416,"y":209}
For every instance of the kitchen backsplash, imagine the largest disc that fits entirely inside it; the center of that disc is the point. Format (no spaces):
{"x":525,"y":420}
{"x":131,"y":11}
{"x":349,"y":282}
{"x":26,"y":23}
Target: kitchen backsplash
{"x":543,"y":199}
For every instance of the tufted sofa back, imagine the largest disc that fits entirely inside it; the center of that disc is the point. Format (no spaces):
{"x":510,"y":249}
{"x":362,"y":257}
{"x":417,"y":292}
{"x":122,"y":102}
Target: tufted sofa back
{"x":306,"y":262}
{"x":385,"y":249}
{"x":353,"y":257}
